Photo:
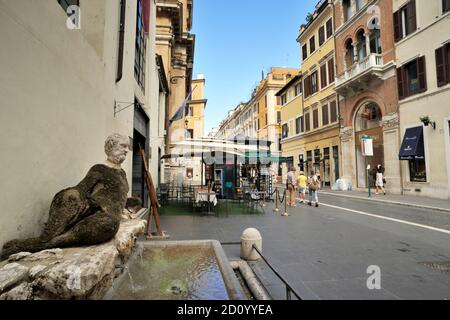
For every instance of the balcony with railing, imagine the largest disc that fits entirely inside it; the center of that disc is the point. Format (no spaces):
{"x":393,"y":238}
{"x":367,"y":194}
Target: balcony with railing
{"x":361,"y":74}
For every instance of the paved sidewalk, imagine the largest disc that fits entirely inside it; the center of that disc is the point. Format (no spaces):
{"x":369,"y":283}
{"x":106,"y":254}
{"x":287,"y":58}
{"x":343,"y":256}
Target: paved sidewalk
{"x":405,"y":200}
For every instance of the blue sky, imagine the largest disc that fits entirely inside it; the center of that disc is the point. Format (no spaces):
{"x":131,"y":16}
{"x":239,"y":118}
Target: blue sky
{"x":236,"y":40}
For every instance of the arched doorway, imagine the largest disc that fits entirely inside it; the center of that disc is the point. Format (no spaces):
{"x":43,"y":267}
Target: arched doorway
{"x":368,"y":123}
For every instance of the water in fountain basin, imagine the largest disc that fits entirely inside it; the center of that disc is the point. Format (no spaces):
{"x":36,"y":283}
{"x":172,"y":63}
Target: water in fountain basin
{"x":172,"y":273}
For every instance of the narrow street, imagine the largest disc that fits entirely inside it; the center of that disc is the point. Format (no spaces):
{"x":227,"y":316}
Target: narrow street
{"x":325,"y":252}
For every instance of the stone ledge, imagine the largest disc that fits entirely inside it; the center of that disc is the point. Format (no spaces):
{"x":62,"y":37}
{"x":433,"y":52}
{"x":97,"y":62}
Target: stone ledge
{"x":72,"y":273}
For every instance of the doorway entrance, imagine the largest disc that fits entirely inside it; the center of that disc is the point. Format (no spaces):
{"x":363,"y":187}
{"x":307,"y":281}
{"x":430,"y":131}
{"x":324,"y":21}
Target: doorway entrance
{"x":140,"y":133}
{"x":368,"y":123}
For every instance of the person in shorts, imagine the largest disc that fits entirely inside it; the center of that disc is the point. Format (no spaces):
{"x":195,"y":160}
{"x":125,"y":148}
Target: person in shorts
{"x":302,"y":183}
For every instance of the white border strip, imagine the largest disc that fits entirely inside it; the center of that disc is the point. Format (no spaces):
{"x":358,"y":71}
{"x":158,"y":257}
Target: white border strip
{"x":387,"y":218}
{"x":445,"y":210}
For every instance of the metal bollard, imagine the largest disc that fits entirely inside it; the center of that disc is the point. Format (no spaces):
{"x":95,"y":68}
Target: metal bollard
{"x":276,"y":201}
{"x":285,"y":203}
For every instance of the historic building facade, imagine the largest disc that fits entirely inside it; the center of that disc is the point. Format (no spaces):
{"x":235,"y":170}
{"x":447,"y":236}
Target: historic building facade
{"x":319,"y":143}
{"x":84,"y":79}
{"x":292,"y":123}
{"x":366,"y":85}
{"x":423,"y":73}
{"x":176,"y":45}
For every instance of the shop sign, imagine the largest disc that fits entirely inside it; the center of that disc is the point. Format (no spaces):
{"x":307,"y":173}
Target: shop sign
{"x":367,"y":146}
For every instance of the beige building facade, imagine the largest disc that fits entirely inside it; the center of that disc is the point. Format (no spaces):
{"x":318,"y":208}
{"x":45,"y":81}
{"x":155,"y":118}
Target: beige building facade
{"x":424,"y":90}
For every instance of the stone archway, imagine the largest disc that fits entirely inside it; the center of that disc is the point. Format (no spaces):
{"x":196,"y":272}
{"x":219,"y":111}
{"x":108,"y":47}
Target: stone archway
{"x":368,"y":122}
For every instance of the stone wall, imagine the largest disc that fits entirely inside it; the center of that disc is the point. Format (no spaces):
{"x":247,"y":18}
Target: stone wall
{"x":72,"y":273}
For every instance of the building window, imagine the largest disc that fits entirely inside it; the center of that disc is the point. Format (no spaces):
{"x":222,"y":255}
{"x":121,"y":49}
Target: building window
{"x":123,"y":6}
{"x":298,"y":89}
{"x":443,"y":65}
{"x":284,"y":131}
{"x":190,"y":134}
{"x":417,"y":171}
{"x":278,"y":116}
{"x":67,"y":3}
{"x":189,"y":111}
{"x":405,"y":20}
{"x":375,"y":41}
{"x":283,"y":99}
{"x":325,"y":117}
{"x":323,"y":76}
{"x":312,"y":44}
{"x":299,"y":125}
{"x":359,"y":4}
{"x":362,"y":52}
{"x":349,"y":57}
{"x":331,"y":70}
{"x":347,"y":8}
{"x":314,"y":87}
{"x":140,"y":46}
{"x":329,"y":27}
{"x":333,"y":112}
{"x":265,"y":120}
{"x":307,"y":122}
{"x":305,"y":51}
{"x":411,"y":78}
{"x":321,"y":35}
{"x":315,"y":118}
{"x":445,"y":5}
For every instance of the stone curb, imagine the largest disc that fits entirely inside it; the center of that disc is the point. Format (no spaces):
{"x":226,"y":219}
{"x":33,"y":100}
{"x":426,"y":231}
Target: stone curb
{"x":388,"y":201}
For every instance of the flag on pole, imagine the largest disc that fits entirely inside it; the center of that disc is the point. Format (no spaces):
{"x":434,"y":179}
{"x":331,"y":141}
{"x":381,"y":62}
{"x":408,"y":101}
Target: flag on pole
{"x":180,"y":112}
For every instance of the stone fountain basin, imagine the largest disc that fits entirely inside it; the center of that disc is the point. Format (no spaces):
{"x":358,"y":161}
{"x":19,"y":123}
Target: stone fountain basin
{"x":177,"y":270}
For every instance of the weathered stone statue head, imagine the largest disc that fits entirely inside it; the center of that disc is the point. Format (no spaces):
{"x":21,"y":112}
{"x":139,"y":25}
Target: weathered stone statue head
{"x":88,"y":213}
{"x":116,"y":149}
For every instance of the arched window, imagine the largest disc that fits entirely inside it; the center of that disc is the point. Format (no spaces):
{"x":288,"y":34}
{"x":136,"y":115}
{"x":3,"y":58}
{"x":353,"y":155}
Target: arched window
{"x":349,"y":55}
{"x":362,"y":52}
{"x":368,"y":117}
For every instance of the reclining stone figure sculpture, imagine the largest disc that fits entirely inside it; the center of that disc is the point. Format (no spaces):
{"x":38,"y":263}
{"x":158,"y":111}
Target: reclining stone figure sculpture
{"x":87,"y":214}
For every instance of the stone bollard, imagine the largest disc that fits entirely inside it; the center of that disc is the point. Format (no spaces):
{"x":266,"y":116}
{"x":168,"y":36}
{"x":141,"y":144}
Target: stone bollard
{"x":249,"y":238}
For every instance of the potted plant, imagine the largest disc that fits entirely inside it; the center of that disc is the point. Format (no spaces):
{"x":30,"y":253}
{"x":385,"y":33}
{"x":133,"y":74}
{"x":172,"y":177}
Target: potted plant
{"x":425,"y":120}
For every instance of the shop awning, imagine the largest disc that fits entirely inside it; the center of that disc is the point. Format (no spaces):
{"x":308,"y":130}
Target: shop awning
{"x":264,"y":157}
{"x":412,"y":147}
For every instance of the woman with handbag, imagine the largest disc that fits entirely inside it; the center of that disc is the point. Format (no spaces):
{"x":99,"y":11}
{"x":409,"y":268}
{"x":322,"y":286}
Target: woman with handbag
{"x":313,"y":186}
{"x":380,"y":181}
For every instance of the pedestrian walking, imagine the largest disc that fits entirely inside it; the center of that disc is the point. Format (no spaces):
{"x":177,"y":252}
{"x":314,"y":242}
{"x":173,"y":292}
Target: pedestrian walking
{"x":313,"y":186}
{"x":379,"y":182}
{"x":290,"y":186}
{"x":302,"y":183}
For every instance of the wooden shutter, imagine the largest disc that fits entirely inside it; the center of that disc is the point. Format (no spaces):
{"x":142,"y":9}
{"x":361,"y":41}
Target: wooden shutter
{"x":329,"y":28}
{"x":331,"y":70}
{"x":307,"y":122}
{"x":441,"y":66}
{"x":323,"y":76}
{"x":411,"y":17}
{"x":321,"y":35}
{"x":315,"y":118}
{"x":305,"y":51}
{"x":325,"y":119}
{"x":398,"y":32}
{"x":401,"y":83}
{"x":333,"y":111}
{"x":422,"y":74}
{"x":312,"y":44}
